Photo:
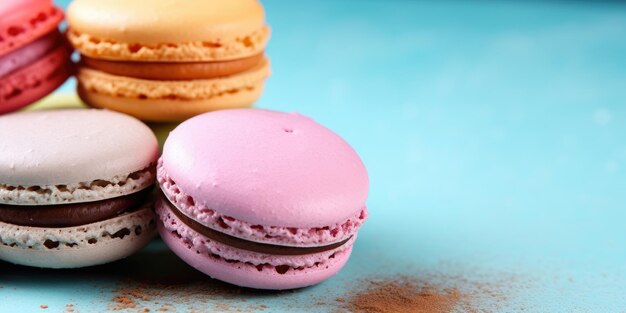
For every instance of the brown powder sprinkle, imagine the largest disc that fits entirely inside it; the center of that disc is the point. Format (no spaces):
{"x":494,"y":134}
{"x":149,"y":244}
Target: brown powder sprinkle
{"x":164,"y":296}
{"x":468,"y":291}
{"x":405,"y":295}
{"x":435,"y":293}
{"x":123,"y":302}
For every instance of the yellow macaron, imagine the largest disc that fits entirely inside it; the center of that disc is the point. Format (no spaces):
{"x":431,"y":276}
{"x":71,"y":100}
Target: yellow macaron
{"x":168,"y":60}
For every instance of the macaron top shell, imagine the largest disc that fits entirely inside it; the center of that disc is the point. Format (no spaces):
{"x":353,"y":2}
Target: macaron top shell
{"x":9,"y":8}
{"x":22,"y":21}
{"x":268,"y":168}
{"x":156,"y":22}
{"x":12,"y":10}
{"x":72,"y":146}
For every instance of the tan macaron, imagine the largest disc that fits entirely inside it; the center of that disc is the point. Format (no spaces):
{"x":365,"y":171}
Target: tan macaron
{"x":168,"y":60}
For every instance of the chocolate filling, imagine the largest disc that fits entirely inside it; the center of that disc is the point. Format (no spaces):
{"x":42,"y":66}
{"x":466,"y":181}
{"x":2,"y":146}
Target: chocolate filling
{"x":173,"y":70}
{"x":245,"y":244}
{"x":73,"y":214}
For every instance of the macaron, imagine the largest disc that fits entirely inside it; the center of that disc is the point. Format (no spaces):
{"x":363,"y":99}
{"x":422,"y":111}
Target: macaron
{"x":168,"y":60}
{"x":74,"y":187}
{"x":260,"y":199}
{"x":34,"y":56}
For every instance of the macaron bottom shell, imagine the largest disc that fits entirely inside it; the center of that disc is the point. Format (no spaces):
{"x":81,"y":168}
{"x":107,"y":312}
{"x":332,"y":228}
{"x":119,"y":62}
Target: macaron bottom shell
{"x":35,"y":81}
{"x":79,"y":246}
{"x":220,"y":264}
{"x":243,"y":275}
{"x":168,"y":110}
{"x":170,"y":100}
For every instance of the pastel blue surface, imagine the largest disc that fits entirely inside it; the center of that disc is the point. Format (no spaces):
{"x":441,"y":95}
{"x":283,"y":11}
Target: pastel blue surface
{"x":495,"y":138}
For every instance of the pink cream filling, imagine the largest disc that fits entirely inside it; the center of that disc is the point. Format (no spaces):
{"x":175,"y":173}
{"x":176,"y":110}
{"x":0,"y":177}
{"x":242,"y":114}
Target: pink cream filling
{"x":258,"y":233}
{"x":29,"y":53}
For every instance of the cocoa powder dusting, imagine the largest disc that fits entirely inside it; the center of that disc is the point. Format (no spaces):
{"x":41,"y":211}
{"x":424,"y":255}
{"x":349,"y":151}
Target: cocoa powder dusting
{"x":438,"y":293}
{"x":167,"y":296}
{"x":123,"y":302}
{"x":424,"y":293}
{"x":405,"y":295}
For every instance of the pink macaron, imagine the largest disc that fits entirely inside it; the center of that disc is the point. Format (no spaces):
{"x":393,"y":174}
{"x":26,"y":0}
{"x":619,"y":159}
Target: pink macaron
{"x":260,"y":199}
{"x":34,"y":56}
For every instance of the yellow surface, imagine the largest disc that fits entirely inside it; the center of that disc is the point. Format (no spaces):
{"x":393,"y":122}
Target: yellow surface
{"x":57,"y":101}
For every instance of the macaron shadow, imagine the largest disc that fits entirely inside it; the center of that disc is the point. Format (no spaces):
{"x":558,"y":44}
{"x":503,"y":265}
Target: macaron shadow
{"x":154,"y":269}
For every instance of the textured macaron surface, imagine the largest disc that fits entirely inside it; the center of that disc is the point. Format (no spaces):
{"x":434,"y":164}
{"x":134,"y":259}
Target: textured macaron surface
{"x":246,"y":268}
{"x":208,"y":246}
{"x":152,"y":30}
{"x":77,"y":246}
{"x":68,"y":147}
{"x":22,"y":21}
{"x":185,"y":90}
{"x":264,"y":168}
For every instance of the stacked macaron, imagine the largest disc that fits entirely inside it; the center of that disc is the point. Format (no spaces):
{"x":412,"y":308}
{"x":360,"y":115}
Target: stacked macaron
{"x":260,"y":199}
{"x":74,"y":187}
{"x":34,"y":59}
{"x":168,"y":60}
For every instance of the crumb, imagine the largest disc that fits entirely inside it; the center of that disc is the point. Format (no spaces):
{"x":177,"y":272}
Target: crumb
{"x":123,"y":302}
{"x":69,"y":308}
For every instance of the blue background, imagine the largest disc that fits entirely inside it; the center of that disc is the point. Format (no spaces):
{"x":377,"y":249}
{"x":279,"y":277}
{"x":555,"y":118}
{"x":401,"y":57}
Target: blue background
{"x":495,"y":138}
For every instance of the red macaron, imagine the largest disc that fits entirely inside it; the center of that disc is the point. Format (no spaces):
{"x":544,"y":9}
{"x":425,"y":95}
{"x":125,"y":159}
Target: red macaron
{"x":34,"y":56}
